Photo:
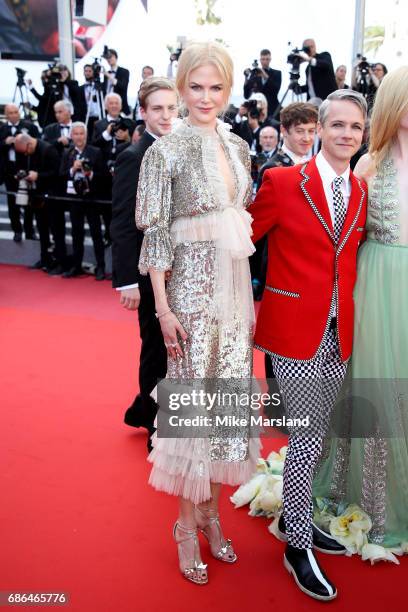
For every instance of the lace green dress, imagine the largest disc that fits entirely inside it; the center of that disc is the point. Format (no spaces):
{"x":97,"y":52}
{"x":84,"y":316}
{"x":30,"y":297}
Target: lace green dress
{"x":372,"y":471}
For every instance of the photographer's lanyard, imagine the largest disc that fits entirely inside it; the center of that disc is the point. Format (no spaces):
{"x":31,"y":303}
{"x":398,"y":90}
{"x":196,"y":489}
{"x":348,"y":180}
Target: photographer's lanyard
{"x":12,"y":151}
{"x":70,"y":182}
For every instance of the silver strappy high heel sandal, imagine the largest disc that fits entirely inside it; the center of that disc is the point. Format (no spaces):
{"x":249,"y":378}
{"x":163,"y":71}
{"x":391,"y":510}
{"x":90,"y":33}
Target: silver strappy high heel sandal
{"x":206,"y":518}
{"x":191,"y":569}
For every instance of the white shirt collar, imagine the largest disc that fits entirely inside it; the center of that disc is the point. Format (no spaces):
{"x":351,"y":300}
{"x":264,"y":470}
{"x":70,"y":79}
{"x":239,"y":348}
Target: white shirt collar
{"x":327,"y":173}
{"x":151,"y":134}
{"x":297,"y":159}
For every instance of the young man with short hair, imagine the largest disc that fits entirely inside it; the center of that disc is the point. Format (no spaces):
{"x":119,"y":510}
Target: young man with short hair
{"x":159,"y":106}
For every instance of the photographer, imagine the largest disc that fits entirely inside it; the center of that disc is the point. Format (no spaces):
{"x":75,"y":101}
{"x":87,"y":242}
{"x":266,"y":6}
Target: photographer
{"x":263,"y":79}
{"x":59,"y":135}
{"x":37,"y":166}
{"x":116,"y":78}
{"x":92,"y":92}
{"x":366,"y":79}
{"x":109,"y":133}
{"x":81,"y":167}
{"x":8,"y":132}
{"x":147,"y":71}
{"x":320,"y":77}
{"x":58,"y":85}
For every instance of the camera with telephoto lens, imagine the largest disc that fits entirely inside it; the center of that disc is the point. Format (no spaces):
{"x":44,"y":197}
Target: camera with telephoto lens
{"x":363,"y":66}
{"x":81,"y":179}
{"x":23,"y":189}
{"x":254,"y":71}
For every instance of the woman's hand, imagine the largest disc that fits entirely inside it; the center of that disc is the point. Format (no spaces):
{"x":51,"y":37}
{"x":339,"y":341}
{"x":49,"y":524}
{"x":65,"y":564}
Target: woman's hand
{"x":171,"y":326}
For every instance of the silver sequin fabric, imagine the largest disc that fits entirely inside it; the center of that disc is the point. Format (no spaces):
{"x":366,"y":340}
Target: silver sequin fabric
{"x":174,"y":183}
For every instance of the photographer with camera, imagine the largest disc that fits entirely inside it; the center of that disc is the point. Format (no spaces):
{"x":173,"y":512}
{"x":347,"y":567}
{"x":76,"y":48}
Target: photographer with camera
{"x":109,"y":134}
{"x":147,"y":71}
{"x":8,"y":132}
{"x":366,"y":78}
{"x":263,"y":79}
{"x":81,"y":168}
{"x":59,"y":135}
{"x":58,"y":85}
{"x":116,"y":78}
{"x":320,"y":77}
{"x":37,"y":165}
{"x":92,"y":92}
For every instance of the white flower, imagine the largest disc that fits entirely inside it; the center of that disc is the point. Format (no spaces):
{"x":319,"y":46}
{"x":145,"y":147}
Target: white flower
{"x":276,"y":460}
{"x":261,"y":466}
{"x":269,"y":498}
{"x":375,"y":553}
{"x":247,"y":491}
{"x":351,"y":528}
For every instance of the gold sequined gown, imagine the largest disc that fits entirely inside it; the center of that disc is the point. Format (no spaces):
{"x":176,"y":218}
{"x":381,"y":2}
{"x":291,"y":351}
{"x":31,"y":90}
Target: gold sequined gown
{"x":193,"y":228}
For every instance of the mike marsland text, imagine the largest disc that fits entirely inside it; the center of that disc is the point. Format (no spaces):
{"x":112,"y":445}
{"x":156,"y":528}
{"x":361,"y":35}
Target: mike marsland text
{"x":234,"y":421}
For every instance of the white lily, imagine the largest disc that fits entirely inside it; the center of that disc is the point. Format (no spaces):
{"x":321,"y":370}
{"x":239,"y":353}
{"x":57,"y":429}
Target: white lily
{"x":276,"y":460}
{"x":269,"y":499}
{"x":351,"y":528}
{"x":246,"y":492}
{"x":375,"y":553}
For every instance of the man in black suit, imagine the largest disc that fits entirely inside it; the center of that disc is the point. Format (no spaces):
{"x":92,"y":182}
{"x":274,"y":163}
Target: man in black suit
{"x":265,"y":80}
{"x":81,"y":167}
{"x":158,"y":103}
{"x":59,"y":135}
{"x":107,"y":138}
{"x":320,"y":77}
{"x":117,"y":79}
{"x":8,"y":131}
{"x":40,"y":162}
{"x":93,"y":95}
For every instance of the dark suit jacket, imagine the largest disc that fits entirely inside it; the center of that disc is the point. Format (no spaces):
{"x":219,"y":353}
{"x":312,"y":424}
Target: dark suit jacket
{"x":126,"y":238}
{"x":51,"y":133}
{"x":7,"y":168}
{"x":95,"y":157}
{"x":270,"y":88}
{"x":323,"y":77}
{"x":279,"y":159}
{"x":46,"y":101}
{"x":45,"y":161}
{"x":121,"y":87}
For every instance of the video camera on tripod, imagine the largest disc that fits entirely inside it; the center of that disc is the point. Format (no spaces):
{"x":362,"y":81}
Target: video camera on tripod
{"x":295,"y":59}
{"x":254,"y":71}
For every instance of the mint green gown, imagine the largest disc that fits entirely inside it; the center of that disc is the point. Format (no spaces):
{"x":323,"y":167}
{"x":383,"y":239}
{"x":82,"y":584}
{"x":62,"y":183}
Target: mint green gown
{"x":373,"y":471}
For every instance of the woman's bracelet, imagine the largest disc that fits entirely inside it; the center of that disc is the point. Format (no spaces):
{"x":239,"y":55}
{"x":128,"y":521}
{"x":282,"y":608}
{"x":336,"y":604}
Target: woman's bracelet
{"x":158,"y":316}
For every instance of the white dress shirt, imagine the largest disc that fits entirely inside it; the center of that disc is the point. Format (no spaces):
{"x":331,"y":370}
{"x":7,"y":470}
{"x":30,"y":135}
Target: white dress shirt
{"x":297,"y":159}
{"x":327,"y":174}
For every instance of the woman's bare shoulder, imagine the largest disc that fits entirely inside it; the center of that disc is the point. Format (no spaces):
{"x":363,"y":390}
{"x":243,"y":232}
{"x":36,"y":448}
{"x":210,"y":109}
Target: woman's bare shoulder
{"x":365,"y":168}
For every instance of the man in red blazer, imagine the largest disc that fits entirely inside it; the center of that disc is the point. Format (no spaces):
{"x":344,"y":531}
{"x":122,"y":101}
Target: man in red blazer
{"x":314,"y":215}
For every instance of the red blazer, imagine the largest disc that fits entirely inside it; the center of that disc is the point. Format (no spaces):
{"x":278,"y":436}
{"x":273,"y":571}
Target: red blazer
{"x":303,"y":262}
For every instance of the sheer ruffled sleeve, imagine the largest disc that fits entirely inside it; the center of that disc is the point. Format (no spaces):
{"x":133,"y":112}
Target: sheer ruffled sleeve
{"x":153,"y":212}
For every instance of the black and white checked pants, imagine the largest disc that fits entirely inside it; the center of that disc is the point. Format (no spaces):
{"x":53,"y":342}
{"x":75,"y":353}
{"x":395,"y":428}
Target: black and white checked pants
{"x":308,"y":389}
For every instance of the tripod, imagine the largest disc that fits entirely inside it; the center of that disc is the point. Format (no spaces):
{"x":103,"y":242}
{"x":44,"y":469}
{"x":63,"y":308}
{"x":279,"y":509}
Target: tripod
{"x":21,"y":93}
{"x":293,"y":87}
{"x":96,"y":95}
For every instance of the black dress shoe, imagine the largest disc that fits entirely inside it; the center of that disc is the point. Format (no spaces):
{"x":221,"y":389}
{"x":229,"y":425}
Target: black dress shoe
{"x":39,"y":265}
{"x":307,"y":573}
{"x":138,"y":418}
{"x":322,"y":541}
{"x":73,"y":272}
{"x":18,"y":236}
{"x":100,"y":273}
{"x":55,"y":270}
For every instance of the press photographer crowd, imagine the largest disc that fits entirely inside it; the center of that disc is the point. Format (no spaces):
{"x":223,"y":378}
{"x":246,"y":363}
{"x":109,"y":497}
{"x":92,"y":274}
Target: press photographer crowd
{"x":59,"y":147}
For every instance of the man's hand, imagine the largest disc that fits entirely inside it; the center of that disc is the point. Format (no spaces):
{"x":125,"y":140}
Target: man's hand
{"x":304,"y":56}
{"x":63,"y":140}
{"x":32,"y":176}
{"x":10,"y":140}
{"x":130,"y":298}
{"x":77,"y":165}
{"x":242,"y":111}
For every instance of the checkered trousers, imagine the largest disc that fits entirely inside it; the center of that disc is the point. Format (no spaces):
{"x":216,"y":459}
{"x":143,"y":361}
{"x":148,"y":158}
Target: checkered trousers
{"x":308,"y":390}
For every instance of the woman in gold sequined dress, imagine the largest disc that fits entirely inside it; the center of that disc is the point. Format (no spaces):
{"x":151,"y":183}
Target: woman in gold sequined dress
{"x":193,"y":190}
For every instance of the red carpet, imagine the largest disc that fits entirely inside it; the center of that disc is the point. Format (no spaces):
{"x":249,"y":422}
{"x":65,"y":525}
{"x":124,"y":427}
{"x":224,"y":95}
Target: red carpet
{"x":76,"y":513}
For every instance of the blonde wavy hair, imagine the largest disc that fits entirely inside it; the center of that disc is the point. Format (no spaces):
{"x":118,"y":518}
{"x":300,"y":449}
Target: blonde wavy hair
{"x":391,"y":103}
{"x":198,"y":54}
